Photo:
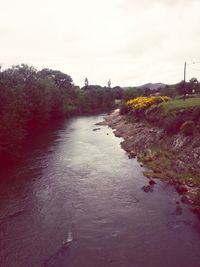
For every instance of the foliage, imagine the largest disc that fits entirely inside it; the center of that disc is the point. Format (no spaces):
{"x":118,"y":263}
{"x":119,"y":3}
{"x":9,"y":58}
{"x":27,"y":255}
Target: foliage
{"x":30,"y":99}
{"x":124,"y":109}
{"x":193,"y":85}
{"x":169,"y":91}
{"x":132,"y":92}
{"x":142,"y":103}
{"x":190,"y":87}
{"x":117,"y":92}
{"x":181,"y":88}
{"x":174,"y":116}
{"x":97,"y":98}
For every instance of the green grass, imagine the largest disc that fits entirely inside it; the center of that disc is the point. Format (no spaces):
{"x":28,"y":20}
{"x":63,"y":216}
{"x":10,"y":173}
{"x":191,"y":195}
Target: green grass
{"x":180,"y":103}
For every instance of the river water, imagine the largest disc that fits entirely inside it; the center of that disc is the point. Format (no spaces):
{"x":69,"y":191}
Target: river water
{"x":76,"y":201}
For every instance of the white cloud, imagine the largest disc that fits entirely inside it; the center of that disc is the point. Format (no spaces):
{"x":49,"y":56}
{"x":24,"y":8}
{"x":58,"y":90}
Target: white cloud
{"x":131,"y":42}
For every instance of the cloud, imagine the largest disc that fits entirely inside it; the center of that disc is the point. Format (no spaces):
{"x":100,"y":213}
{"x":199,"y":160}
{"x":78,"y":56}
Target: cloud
{"x":131,"y":42}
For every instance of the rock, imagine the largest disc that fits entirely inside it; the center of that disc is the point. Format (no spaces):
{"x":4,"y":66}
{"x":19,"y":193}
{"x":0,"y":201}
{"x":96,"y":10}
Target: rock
{"x":180,"y":166}
{"x":181,"y":189}
{"x":195,"y":209}
{"x":177,"y":182}
{"x":132,"y":154}
{"x":101,"y":123}
{"x":174,"y":181}
{"x":147,"y":188}
{"x":171,"y":182}
{"x":152,"y":182}
{"x":179,"y":142}
{"x":178,"y":210}
{"x":160,"y":134}
{"x":190,"y":183}
{"x":96,"y":129}
{"x":185,"y":199}
{"x":196,"y":152}
{"x":117,"y":134}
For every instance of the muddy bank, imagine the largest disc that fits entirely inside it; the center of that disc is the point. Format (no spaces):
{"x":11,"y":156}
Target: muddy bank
{"x":173,"y":158}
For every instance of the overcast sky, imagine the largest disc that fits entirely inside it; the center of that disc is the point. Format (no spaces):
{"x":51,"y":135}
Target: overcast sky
{"x":131,"y":42}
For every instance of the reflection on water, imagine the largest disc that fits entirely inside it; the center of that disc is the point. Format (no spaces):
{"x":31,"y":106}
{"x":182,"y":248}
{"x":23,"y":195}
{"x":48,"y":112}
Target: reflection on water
{"x":77,"y":201}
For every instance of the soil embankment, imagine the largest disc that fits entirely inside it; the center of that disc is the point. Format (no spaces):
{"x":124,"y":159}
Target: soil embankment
{"x":173,"y":158}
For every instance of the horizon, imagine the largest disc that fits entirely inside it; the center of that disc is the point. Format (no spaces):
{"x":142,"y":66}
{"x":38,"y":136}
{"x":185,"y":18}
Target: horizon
{"x":130,"y":42}
{"x":95,"y":84}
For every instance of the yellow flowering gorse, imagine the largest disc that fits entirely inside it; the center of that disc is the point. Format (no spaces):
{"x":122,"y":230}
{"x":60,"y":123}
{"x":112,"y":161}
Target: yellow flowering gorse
{"x":142,"y":102}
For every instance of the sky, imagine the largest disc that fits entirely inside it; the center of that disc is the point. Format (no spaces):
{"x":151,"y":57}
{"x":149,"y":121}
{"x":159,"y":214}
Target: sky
{"x":131,"y":42}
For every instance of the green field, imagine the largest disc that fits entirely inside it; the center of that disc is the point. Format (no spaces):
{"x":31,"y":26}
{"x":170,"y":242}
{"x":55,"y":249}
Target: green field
{"x":180,"y":103}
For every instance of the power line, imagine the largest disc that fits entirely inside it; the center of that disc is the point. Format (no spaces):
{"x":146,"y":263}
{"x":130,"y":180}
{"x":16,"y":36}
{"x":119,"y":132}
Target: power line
{"x":192,"y":63}
{"x":195,"y":69}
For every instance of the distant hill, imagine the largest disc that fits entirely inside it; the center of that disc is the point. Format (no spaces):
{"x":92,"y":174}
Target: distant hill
{"x":153,"y":86}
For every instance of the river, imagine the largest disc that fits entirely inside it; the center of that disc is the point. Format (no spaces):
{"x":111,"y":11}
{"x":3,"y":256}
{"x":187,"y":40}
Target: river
{"x":76,"y":201}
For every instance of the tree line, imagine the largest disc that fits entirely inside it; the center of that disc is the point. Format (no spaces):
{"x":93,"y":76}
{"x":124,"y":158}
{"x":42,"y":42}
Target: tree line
{"x":176,"y":90}
{"x":29,"y":99}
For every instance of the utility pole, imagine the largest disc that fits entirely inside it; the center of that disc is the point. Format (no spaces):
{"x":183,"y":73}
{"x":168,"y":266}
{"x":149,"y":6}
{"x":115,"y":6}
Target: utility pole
{"x":185,"y":86}
{"x":184,"y":81}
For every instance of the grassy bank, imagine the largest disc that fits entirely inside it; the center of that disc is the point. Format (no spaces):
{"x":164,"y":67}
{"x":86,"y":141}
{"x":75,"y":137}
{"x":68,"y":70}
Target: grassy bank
{"x":181,"y":104}
{"x":165,"y":137}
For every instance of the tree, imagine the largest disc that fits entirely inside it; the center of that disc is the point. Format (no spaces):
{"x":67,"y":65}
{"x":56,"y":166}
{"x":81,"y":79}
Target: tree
{"x":147,"y":91}
{"x":117,"y":92}
{"x":193,"y":85}
{"x":168,"y":91}
{"x":184,"y":88}
{"x":180,"y":87}
{"x":30,"y":99}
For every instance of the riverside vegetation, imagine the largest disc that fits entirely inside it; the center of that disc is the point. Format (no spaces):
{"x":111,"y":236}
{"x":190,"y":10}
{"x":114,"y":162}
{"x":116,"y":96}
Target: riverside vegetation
{"x":30,"y":99}
{"x":164,"y":134}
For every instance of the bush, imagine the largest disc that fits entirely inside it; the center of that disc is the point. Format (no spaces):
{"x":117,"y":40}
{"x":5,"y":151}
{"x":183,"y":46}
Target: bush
{"x":172,"y":125}
{"x":187,"y":128}
{"x":124,"y":108}
{"x":142,"y":103}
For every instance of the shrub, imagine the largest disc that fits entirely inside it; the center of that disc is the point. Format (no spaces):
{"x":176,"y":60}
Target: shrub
{"x":142,"y":103}
{"x":172,"y":124}
{"x":124,"y":109}
{"x":187,"y":128}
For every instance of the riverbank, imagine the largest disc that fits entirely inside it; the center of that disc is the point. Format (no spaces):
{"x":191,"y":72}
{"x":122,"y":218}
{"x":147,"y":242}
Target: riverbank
{"x":76,"y":182}
{"x":170,"y":158}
